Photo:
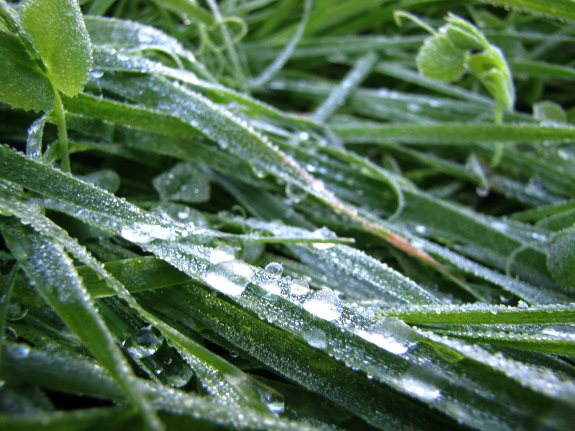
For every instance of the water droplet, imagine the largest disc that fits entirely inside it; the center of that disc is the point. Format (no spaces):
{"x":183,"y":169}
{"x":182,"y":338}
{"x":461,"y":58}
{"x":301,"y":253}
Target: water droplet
{"x":326,"y":234}
{"x":142,"y":343}
{"x":318,"y":186}
{"x":184,"y":182}
{"x":299,"y":287}
{"x":258,"y":171}
{"x":273,"y":399}
{"x":230,"y":277}
{"x":324,"y":304}
{"x":144,"y":233}
{"x":390,"y":334}
{"x":17,"y":311}
{"x":96,"y":74}
{"x":274,"y":269}
{"x":522,"y":304}
{"x":422,"y":383}
{"x":315,"y":338}
{"x":21,"y":351}
{"x":223,"y":253}
{"x":177,"y":373}
{"x":421,"y":229}
{"x":482,"y":190}
{"x":562,"y":331}
{"x":295,"y":194}
{"x":303,"y":136}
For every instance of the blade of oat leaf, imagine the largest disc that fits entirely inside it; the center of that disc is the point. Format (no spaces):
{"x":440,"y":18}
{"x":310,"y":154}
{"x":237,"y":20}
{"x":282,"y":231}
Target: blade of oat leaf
{"x":108,"y":60}
{"x":141,"y":273}
{"x":543,"y":70}
{"x":110,"y":418}
{"x":453,"y":133}
{"x":352,"y":264}
{"x":558,"y":9}
{"x":220,"y":377}
{"x":287,"y":314}
{"x":337,"y":97}
{"x":269,"y":72}
{"x":81,"y":376}
{"x":411,"y":76}
{"x":122,"y":113}
{"x":64,"y":291}
{"x":130,"y":36}
{"x":330,"y":46}
{"x":235,"y":135}
{"x":296,"y":360}
{"x":472,"y":314}
{"x":553,"y":339}
{"x":189,"y":9}
{"x":394,"y":371}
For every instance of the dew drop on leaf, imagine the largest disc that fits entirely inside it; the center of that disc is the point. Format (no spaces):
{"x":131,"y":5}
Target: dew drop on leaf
{"x":222,"y":253}
{"x":230,"y":277}
{"x":390,"y":334}
{"x":299,"y":287}
{"x":275,"y":269}
{"x":21,"y":351}
{"x":143,"y":343}
{"x":315,"y":338}
{"x":294,"y":193}
{"x":324,"y":304}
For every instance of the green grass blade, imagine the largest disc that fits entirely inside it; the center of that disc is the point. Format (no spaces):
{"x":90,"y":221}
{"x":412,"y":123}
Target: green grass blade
{"x":453,"y":133}
{"x":64,"y":291}
{"x":559,"y":9}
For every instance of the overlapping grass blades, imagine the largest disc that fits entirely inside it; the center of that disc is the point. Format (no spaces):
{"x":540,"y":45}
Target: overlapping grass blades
{"x":290,"y":228}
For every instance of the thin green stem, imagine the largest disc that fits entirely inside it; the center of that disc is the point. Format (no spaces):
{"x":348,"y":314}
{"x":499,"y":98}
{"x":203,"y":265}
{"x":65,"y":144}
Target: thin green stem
{"x":234,"y":57}
{"x":498,"y":148}
{"x":4,"y":301}
{"x":62,"y":130}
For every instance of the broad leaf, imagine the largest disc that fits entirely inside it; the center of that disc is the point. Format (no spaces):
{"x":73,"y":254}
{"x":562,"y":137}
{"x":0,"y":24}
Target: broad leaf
{"x":23,"y":84}
{"x":58,"y":32}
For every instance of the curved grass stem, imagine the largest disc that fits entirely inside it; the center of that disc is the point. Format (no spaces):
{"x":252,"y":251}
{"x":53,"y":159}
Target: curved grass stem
{"x":62,"y":130}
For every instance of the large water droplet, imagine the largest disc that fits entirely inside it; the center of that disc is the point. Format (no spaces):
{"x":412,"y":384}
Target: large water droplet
{"x":422,"y":383}
{"x":144,"y":233}
{"x":142,"y":343}
{"x":177,"y":373}
{"x":295,"y":194}
{"x":299,"y":287}
{"x":184,"y":182}
{"x":324,"y":304}
{"x":230,"y":277}
{"x":274,"y":269}
{"x":21,"y":351}
{"x":390,"y":334}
